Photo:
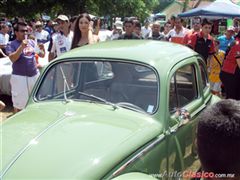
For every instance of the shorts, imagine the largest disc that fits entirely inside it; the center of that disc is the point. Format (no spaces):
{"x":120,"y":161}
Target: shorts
{"x":21,"y":88}
{"x":216,"y":86}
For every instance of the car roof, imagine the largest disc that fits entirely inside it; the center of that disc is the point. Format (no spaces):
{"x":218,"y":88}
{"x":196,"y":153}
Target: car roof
{"x":145,"y":51}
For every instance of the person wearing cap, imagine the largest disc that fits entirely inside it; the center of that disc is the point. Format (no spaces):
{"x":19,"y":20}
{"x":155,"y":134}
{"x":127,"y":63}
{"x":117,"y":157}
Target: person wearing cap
{"x":4,"y":36}
{"x":40,"y":34}
{"x":21,"y":52}
{"x":196,"y":27}
{"x":230,"y":73}
{"x":117,"y":30}
{"x":11,"y":31}
{"x":226,"y":39}
{"x":61,"y":42}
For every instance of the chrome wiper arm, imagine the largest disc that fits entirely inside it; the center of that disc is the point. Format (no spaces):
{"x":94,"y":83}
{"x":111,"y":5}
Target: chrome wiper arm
{"x":64,"y":85}
{"x":98,"y":98}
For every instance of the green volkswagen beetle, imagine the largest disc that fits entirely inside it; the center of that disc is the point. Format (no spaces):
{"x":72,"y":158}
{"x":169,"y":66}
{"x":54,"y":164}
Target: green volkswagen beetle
{"x":120,"y":109}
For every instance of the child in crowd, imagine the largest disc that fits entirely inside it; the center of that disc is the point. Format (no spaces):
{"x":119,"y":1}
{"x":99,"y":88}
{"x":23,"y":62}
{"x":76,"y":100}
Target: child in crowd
{"x":215,"y":65}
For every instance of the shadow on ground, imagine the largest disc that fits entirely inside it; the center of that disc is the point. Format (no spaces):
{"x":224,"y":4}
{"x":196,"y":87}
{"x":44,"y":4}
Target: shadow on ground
{"x":8,"y":110}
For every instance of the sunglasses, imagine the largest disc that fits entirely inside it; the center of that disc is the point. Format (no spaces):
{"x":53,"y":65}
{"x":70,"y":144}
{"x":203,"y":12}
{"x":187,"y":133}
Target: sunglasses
{"x":38,"y":26}
{"x":23,"y":31}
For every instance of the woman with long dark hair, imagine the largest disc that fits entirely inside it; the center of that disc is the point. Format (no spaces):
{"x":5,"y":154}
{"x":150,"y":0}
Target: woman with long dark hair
{"x":83,"y":34}
{"x":230,"y":74}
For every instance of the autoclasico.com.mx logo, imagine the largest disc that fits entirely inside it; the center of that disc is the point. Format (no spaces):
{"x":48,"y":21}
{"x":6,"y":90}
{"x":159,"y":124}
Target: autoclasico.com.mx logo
{"x":191,"y":174}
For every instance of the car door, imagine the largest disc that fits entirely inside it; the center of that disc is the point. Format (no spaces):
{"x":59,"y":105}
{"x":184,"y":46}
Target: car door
{"x":184,"y":95}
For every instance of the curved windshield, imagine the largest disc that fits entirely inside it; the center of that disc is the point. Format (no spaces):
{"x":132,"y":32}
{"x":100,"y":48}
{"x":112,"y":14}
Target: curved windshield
{"x":114,"y":83}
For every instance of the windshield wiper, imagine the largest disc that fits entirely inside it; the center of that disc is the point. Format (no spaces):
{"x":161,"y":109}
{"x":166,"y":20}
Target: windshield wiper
{"x":64,"y":85}
{"x":99,"y":99}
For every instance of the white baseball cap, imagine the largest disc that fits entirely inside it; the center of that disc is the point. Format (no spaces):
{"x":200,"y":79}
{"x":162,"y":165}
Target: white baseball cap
{"x":230,"y":28}
{"x":62,"y":17}
{"x":119,"y":25}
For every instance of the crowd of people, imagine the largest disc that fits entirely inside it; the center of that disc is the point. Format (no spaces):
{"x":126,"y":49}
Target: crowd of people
{"x":23,"y":43}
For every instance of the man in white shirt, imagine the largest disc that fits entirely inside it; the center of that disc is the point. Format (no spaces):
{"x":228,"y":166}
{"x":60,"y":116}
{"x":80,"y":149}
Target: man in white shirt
{"x":117,"y":30}
{"x":177,"y":34}
{"x":4,"y":37}
{"x":61,"y":42}
{"x":146,"y":29}
{"x":40,"y":34}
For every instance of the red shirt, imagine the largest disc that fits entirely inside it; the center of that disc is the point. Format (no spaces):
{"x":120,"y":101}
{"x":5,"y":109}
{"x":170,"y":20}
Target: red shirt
{"x":230,"y":62}
{"x":187,"y":37}
{"x":193,"y":40}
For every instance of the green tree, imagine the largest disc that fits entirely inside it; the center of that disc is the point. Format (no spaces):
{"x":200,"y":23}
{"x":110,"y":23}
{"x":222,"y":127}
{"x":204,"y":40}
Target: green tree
{"x":126,"y":8}
{"x":112,"y":8}
{"x":162,"y":4}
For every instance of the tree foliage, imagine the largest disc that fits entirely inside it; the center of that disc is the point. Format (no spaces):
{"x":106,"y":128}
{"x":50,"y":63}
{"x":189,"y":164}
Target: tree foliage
{"x":162,"y":5}
{"x":111,"y":8}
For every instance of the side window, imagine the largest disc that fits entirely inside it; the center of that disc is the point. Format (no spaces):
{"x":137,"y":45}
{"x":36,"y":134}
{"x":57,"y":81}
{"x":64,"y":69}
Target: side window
{"x":183,"y":87}
{"x":203,"y":75}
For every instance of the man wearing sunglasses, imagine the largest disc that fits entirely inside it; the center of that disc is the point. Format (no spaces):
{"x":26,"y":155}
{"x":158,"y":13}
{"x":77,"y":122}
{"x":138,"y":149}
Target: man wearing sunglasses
{"x":24,"y":73}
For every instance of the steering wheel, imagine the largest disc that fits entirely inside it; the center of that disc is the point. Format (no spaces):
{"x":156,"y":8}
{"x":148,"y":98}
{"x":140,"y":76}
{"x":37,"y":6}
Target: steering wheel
{"x":130,"y":105}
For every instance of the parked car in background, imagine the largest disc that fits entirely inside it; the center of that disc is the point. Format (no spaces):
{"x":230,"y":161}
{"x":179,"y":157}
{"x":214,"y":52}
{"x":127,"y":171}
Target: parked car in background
{"x":116,"y":109}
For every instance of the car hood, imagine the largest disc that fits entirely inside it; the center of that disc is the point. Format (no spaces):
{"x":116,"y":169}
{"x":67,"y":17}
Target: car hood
{"x":71,"y":140}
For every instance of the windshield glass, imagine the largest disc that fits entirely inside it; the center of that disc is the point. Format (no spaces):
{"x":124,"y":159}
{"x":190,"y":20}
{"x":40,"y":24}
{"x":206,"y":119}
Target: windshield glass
{"x":114,"y":82}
